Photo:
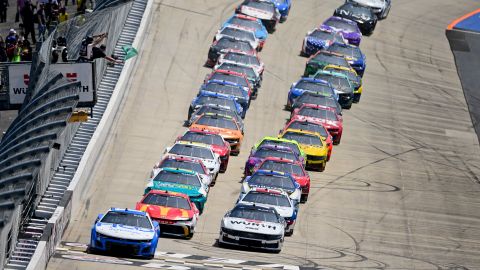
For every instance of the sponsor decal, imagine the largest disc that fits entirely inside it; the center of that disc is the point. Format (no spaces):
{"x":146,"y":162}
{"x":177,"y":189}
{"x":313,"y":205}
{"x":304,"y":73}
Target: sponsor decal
{"x":254,"y":225}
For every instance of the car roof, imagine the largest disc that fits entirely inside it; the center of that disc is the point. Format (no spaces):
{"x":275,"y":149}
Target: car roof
{"x":127,"y":211}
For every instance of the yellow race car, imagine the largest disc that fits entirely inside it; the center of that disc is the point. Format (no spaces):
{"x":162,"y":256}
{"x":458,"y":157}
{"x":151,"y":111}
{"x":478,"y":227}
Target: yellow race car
{"x":312,"y":144}
{"x":354,"y":78}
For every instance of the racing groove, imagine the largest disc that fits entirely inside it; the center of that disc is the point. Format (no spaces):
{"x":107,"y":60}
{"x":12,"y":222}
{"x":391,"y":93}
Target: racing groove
{"x":402,"y":189}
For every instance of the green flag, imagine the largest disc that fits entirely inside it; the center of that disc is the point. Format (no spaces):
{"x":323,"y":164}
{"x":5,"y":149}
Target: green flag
{"x":129,"y":51}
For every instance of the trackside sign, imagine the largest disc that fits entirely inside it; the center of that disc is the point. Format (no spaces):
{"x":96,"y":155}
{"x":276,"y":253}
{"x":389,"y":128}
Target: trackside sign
{"x":18,"y":79}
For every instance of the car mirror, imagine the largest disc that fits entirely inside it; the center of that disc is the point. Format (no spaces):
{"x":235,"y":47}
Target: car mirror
{"x":167,"y":149}
{"x":100,"y":216}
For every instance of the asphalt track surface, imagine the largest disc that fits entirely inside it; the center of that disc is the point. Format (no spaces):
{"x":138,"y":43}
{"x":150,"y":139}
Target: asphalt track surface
{"x":401,"y":190}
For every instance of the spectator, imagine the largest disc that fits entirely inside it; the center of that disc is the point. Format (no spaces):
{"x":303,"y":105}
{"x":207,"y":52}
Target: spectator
{"x":53,"y":19}
{"x":11,"y":37}
{"x":29,"y":20}
{"x":3,"y":10}
{"x":20,"y":5}
{"x":26,"y":54}
{"x":63,"y":15}
{"x":3,"y":52}
{"x":40,"y":20}
{"x":100,"y":52}
{"x":17,"y":52}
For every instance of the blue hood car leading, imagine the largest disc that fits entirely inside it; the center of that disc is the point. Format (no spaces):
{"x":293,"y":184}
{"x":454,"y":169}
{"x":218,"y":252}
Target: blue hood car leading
{"x":309,"y":85}
{"x":353,"y":54}
{"x":249,"y":22}
{"x":218,"y":99}
{"x":125,"y":230}
{"x":227,"y":88}
{"x":319,"y":39}
{"x":283,"y":7}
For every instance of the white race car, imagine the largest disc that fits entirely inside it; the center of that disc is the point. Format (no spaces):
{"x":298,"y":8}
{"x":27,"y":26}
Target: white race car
{"x":239,"y":33}
{"x":186,"y":163}
{"x":244,"y":58}
{"x":253,"y":226}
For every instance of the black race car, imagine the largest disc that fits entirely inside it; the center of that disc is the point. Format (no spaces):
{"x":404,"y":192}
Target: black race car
{"x":362,"y":15}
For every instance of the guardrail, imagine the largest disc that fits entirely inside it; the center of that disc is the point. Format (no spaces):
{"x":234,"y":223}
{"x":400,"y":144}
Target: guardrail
{"x":70,"y":202}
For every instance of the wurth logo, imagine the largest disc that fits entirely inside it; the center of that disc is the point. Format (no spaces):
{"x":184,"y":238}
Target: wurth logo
{"x":71,"y":76}
{"x":253,"y":224}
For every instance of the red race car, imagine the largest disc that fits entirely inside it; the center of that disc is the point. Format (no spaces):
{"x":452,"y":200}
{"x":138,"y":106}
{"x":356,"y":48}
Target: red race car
{"x":174,"y":211}
{"x":313,"y":126}
{"x":294,"y":168}
{"x":186,"y":163}
{"x":219,"y":145}
{"x":327,"y":116}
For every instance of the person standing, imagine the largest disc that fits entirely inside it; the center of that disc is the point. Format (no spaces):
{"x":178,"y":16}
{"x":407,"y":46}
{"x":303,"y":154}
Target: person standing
{"x":3,"y":10}
{"x":40,"y":20}
{"x":28,"y":15}
{"x":63,"y":15}
{"x":3,"y":52}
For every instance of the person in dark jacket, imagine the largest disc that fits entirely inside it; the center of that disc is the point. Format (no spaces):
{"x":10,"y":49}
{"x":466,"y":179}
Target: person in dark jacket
{"x":28,"y":17}
{"x":3,"y":52}
{"x":3,"y":10}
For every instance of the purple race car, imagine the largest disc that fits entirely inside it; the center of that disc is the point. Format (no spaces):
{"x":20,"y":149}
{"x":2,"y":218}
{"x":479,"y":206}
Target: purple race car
{"x":268,"y":150}
{"x":347,"y":28}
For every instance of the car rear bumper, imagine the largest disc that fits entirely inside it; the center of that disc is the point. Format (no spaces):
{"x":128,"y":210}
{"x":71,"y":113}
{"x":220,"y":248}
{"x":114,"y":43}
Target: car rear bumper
{"x":136,"y":248}
{"x":227,"y":239}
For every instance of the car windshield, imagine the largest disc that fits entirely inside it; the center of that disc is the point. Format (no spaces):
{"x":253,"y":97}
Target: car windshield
{"x":340,"y":83}
{"x":290,"y":145}
{"x":272,"y":181}
{"x":246,"y":23}
{"x":315,"y":87}
{"x":319,"y":34}
{"x":254,"y":214}
{"x":167,"y":201}
{"x":191,"y":151}
{"x":127,"y":219}
{"x":309,"y":127}
{"x":267,"y":198}
{"x":229,"y":78}
{"x":318,"y":113}
{"x":357,"y":11}
{"x":240,"y":69}
{"x":177,"y":178}
{"x":303,"y":138}
{"x":242,"y":58}
{"x":226,"y":111}
{"x":182,"y":164}
{"x":220,"y":122}
{"x":308,"y":98}
{"x":340,"y":25}
{"x":279,"y":2}
{"x":230,"y":43}
{"x":225,"y":89}
{"x":238,"y":33}
{"x":217,"y":101}
{"x":265,"y":6}
{"x":291,"y":168}
{"x":349,"y":51}
{"x":267,"y":152}
{"x":331,"y":59}
{"x":211,"y":139}
{"x":351,"y":76}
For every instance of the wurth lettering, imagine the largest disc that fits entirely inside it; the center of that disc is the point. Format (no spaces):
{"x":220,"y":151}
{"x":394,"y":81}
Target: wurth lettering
{"x":253,"y":224}
{"x":71,"y":77}
{"x":19,"y":91}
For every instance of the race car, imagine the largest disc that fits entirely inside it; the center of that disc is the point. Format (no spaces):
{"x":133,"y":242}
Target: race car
{"x":249,"y":22}
{"x":266,"y":11}
{"x":186,"y":163}
{"x":175,"y":212}
{"x":240,"y":33}
{"x":294,"y":168}
{"x":347,"y":28}
{"x":283,"y":7}
{"x":277,"y":199}
{"x":268,"y":140}
{"x":218,"y":144}
{"x":225,"y":44}
{"x":341,"y":84}
{"x":183,"y":181}
{"x":353,"y":55}
{"x":317,"y":99}
{"x":254,"y":227}
{"x":321,"y":59}
{"x":327,"y":116}
{"x":215,"y":108}
{"x":125,"y":230}
{"x":265,"y":151}
{"x":352,"y":75}
{"x":201,"y":151}
{"x":227,"y":88}
{"x":381,"y":8}
{"x":215,"y":98}
{"x":312,"y":144}
{"x":363,"y":16}
{"x":225,"y":126}
{"x":272,"y":180}
{"x":318,"y":39}
{"x":309,"y":85}
{"x":244,"y":58}
{"x":231,"y":76}
{"x":313,"y":126}
{"x":253,"y":79}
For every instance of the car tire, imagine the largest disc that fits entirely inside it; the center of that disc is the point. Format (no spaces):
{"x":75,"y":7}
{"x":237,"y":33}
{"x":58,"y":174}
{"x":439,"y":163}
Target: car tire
{"x":356,"y":98}
{"x":290,"y":233}
{"x":322,"y":167}
{"x":303,"y":198}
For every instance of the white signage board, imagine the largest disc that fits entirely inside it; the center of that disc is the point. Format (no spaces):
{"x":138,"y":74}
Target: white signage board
{"x":18,"y":78}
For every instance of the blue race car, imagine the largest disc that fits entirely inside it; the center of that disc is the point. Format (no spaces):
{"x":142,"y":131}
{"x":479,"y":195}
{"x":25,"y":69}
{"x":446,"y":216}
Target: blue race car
{"x":227,"y":88}
{"x":353,"y":54}
{"x":125,"y":230}
{"x":218,"y":99}
{"x":249,"y":22}
{"x":309,"y":85}
{"x":319,"y":39}
{"x":283,"y":7}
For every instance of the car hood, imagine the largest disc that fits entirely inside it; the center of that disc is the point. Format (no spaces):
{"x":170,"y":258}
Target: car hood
{"x":254,"y":226}
{"x":163,"y":212}
{"x":257,"y":13}
{"x":313,"y":150}
{"x":317,"y":41}
{"x":191,"y":191}
{"x":124,"y":232}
